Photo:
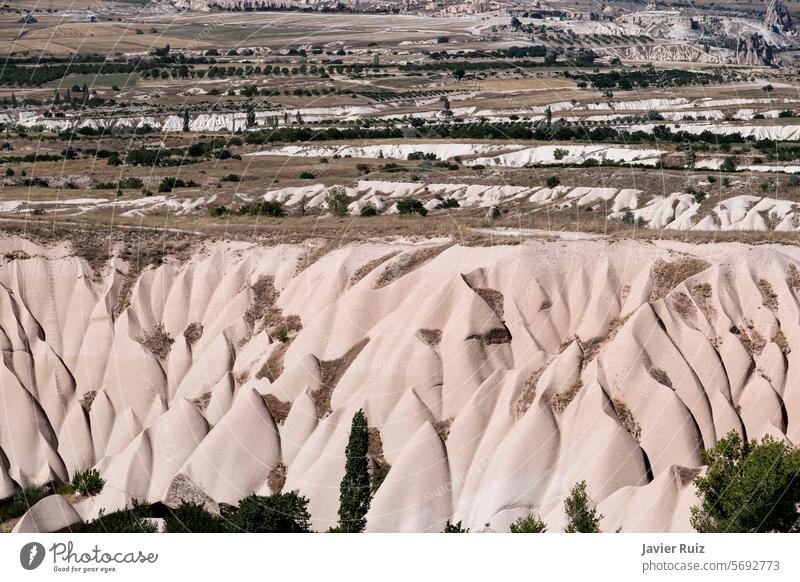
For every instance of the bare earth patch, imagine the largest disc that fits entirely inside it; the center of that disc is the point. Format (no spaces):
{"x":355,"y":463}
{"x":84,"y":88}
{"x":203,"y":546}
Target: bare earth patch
{"x":432,"y":337}
{"x":193,"y":332}
{"x":794,"y":278}
{"x":407,"y":262}
{"x":331,"y":371}
{"x":561,"y":400}
{"x":528,"y":394}
{"x":660,"y":376}
{"x":768,"y":297}
{"x":493,"y":298}
{"x":702,"y":294}
{"x":277,"y":408}
{"x":442,"y":427}
{"x":668,"y":275}
{"x":87,"y":399}
{"x":276,"y":478}
{"x":380,"y":467}
{"x":683,"y":305}
{"x":157,"y":341}
{"x":781,"y":341}
{"x":626,"y":418}
{"x":367,"y":268}
{"x":201,"y":402}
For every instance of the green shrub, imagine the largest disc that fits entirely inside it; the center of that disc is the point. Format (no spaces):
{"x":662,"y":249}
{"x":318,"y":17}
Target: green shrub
{"x":307,"y":176}
{"x":131,"y":183}
{"x":749,"y":487}
{"x":728,"y":164}
{"x":128,"y":520}
{"x":454,"y":528}
{"x":447,"y":203}
{"x":411,"y":206}
{"x":232,"y":178}
{"x":265,"y":208}
{"x":278,"y":513}
{"x":88,"y":482}
{"x":337,"y":201}
{"x":368,"y":210}
{"x":553,"y":181}
{"x":22,"y":500}
{"x":192,"y":518}
{"x":529,"y":524}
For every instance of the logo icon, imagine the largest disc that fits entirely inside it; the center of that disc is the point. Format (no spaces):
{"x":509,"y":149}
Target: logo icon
{"x":31,"y":555}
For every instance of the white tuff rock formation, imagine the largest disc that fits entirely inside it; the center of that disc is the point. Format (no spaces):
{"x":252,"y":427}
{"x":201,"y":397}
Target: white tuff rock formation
{"x":496,"y":376}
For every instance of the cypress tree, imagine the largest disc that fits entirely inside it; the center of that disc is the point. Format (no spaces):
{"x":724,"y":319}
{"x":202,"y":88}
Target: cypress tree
{"x":581,"y":511}
{"x":354,"y":492}
{"x":185,"y":120}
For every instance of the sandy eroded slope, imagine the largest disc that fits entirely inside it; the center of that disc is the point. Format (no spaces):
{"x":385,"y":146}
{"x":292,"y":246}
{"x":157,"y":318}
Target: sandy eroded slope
{"x":495,"y":377}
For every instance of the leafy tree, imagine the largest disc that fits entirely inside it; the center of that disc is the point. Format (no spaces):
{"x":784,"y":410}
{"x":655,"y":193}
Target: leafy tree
{"x":691,"y":158}
{"x":749,"y":487}
{"x":553,"y":181}
{"x":337,"y":201}
{"x":728,"y":164}
{"x":529,"y":524}
{"x":192,"y":518}
{"x":354,"y":491}
{"x":581,"y":512}
{"x":278,"y":513}
{"x":454,"y":528}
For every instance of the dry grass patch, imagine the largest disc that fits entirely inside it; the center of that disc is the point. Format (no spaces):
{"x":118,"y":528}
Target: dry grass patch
{"x":561,"y":400}
{"x":666,"y":275}
{"x":201,"y":402}
{"x":794,"y":278}
{"x":278,"y":408}
{"x":407,"y":262}
{"x":157,"y":341}
{"x":768,"y":297}
{"x":331,"y":371}
{"x":380,"y":467}
{"x":432,"y":337}
{"x":702,"y":294}
{"x":626,"y":418}
{"x":683,"y":305}
{"x":528,"y":394}
{"x":277,"y":478}
{"x":193,"y":332}
{"x":685,"y":475}
{"x":442,"y":427}
{"x":781,"y":341}
{"x":367,"y":268}
{"x":751,"y":339}
{"x":493,"y":298}
{"x":273,"y":367}
{"x":87,"y":399}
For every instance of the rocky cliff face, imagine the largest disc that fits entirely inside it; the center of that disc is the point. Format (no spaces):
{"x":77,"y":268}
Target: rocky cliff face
{"x":753,"y":49}
{"x":778,"y":18}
